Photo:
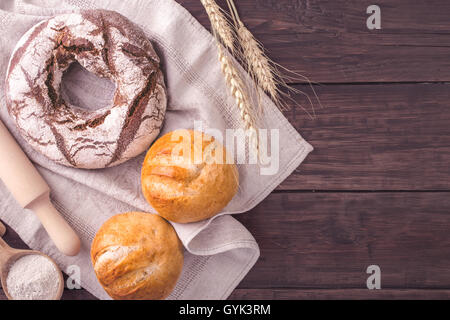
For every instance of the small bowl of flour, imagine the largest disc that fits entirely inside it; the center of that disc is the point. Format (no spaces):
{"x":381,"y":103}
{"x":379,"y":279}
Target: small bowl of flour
{"x":33,"y":276}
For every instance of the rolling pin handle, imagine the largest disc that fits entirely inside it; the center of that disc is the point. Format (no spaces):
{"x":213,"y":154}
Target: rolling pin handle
{"x":65,"y":239}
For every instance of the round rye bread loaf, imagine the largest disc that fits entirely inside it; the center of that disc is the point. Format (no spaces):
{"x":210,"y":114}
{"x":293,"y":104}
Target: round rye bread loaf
{"x":108,"y":45}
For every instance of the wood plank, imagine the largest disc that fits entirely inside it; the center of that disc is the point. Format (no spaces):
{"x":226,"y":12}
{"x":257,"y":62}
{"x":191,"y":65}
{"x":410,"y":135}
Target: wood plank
{"x":327,"y":240}
{"x":291,"y":16}
{"x":375,"y":137}
{"x":328,"y":41}
{"x":338,"y":294}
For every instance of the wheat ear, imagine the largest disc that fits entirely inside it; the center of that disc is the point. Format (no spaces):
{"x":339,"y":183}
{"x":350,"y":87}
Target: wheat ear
{"x":219,"y":23}
{"x":239,"y":92}
{"x":223,"y":33}
{"x":259,"y":65}
{"x":263,"y":70}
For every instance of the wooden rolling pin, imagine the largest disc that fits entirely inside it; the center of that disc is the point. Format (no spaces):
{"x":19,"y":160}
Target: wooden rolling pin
{"x":32,"y":192}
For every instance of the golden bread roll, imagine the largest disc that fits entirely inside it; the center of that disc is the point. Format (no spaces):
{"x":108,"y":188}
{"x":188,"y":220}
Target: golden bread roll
{"x":186,"y":178}
{"x":137,"y":256}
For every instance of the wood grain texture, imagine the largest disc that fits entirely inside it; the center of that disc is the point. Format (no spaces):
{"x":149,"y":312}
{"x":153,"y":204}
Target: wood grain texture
{"x":336,"y":294}
{"x":327,"y":240}
{"x":375,"y":137}
{"x":315,"y":241}
{"x":328,"y":41}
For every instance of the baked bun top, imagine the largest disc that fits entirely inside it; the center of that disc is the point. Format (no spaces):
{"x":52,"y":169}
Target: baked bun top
{"x":137,"y":256}
{"x":186,"y":177}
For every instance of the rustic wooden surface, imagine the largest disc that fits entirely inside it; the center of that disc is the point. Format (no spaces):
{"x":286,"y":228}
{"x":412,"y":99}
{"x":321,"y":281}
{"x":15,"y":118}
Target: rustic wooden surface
{"x":376,"y":188}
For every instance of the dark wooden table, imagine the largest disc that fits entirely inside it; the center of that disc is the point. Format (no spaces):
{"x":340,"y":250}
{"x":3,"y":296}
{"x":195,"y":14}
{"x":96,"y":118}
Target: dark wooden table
{"x":376,"y":188}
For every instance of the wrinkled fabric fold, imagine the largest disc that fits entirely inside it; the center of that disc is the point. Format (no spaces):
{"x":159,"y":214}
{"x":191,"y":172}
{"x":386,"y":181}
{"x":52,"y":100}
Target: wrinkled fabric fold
{"x":219,"y":251}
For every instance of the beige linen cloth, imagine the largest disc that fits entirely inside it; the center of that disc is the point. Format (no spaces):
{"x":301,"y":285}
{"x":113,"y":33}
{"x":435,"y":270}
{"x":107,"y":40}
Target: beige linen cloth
{"x":220,"y":251}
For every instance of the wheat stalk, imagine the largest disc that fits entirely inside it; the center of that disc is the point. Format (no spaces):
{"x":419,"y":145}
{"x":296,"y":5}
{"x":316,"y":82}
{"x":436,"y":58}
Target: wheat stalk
{"x":219,"y":23}
{"x":223,"y":33}
{"x":263,"y":70}
{"x":259,"y":65}
{"x":236,"y":86}
{"x":239,"y":92}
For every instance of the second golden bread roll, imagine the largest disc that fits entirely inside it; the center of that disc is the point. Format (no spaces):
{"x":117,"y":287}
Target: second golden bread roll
{"x":186,"y":178}
{"x":137,"y":256}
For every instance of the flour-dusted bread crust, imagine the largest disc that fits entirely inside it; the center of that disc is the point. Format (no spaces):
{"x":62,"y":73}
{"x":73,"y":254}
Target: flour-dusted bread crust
{"x":108,"y":45}
{"x":185,"y":185}
{"x":137,"y":256}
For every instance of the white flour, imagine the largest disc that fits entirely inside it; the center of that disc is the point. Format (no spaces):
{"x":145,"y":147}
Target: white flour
{"x":33,"y":277}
